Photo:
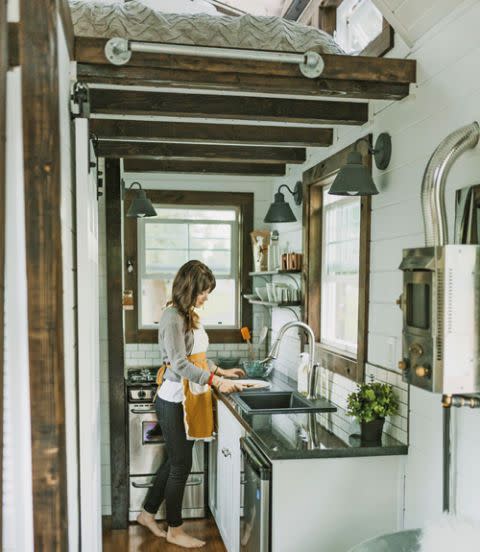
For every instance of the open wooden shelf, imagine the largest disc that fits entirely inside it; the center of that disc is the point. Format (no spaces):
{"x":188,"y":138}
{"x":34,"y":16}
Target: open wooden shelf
{"x":273,"y":272}
{"x":274,"y":304}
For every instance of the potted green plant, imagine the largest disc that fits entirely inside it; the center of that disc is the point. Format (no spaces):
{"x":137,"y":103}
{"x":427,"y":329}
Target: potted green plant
{"x":369,"y":404}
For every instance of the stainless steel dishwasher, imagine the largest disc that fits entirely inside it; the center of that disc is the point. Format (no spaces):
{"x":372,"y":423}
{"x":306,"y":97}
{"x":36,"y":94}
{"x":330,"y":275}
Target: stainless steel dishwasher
{"x":255,"y":522}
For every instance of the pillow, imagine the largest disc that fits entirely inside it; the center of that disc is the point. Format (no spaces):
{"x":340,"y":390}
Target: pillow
{"x":450,"y":533}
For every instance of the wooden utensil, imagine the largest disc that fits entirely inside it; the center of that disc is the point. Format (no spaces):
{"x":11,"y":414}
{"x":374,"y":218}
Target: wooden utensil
{"x":247,"y":337}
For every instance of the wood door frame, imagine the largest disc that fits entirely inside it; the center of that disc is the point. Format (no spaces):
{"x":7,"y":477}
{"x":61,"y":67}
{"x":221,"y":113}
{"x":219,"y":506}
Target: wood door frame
{"x":245,"y":202}
{"x":43,"y":233}
{"x":314,"y":180}
{"x":116,"y":361}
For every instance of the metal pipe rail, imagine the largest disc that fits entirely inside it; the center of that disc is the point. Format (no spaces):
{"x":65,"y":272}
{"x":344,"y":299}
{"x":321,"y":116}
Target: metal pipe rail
{"x":119,"y":51}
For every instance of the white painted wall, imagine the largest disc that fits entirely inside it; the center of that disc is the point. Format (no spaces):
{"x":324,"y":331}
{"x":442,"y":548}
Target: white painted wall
{"x":446,"y":96}
{"x":17,"y":457}
{"x":147,"y":354}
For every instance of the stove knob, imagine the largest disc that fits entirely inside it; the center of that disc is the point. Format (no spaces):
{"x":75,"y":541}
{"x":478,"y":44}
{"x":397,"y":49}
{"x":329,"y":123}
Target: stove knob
{"x":141,"y":394}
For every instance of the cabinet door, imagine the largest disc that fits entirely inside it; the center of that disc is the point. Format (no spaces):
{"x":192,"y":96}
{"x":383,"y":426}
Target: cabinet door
{"x":224,"y":475}
{"x":228,"y":477}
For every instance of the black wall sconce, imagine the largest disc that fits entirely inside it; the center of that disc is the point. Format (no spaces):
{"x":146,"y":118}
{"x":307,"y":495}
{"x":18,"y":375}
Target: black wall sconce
{"x":141,"y":206}
{"x":354,"y":178}
{"x":280,"y":210}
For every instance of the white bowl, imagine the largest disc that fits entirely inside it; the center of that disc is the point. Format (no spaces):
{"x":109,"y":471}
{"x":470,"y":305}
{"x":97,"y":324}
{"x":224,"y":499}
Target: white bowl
{"x":262,"y":293}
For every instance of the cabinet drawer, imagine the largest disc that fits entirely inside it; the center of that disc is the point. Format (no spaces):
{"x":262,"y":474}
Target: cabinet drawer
{"x":193,"y":501}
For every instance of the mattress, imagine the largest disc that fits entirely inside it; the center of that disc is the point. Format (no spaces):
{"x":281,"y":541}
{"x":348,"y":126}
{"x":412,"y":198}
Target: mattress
{"x":136,"y":21}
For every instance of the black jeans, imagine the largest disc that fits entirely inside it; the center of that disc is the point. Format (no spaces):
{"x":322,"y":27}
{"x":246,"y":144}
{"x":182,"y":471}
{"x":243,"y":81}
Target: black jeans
{"x":171,"y":477}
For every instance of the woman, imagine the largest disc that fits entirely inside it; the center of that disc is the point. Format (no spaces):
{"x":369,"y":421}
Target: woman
{"x":183,"y":402}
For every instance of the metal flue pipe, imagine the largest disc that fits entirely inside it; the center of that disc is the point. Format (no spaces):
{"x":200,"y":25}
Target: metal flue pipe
{"x":434,"y":179}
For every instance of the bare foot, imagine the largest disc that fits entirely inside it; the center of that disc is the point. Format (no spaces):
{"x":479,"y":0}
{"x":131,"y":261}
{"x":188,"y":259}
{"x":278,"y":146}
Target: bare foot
{"x":176,"y":535}
{"x":148,"y":521}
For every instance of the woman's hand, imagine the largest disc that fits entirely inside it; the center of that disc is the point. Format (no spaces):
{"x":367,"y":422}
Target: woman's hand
{"x":226,"y":386}
{"x":230,"y":373}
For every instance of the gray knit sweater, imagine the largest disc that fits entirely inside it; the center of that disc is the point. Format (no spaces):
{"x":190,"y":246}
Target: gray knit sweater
{"x":176,"y":343}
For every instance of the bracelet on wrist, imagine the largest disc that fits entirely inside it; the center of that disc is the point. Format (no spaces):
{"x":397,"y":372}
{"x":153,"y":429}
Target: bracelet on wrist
{"x":210,"y":379}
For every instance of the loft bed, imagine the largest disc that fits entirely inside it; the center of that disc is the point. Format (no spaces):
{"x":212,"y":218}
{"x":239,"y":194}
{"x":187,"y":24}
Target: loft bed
{"x":342,"y":76}
{"x":281,"y":72}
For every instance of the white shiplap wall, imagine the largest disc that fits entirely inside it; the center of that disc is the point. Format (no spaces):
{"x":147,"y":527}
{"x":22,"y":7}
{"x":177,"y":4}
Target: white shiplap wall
{"x":446,"y":96}
{"x":69,"y":297}
{"x":147,"y":354}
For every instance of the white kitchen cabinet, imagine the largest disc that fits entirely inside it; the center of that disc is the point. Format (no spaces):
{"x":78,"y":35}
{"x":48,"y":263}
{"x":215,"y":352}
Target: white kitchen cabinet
{"x":228,"y":456}
{"x":335,"y":503}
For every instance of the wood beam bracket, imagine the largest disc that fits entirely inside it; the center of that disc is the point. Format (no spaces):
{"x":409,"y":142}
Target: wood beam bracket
{"x":80,"y":101}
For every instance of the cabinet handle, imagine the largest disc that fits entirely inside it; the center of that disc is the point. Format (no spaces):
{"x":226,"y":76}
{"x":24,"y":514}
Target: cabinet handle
{"x":226,"y":452}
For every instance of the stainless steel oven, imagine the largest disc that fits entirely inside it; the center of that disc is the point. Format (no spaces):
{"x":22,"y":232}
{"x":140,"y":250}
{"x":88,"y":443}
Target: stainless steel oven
{"x":147,"y":451}
{"x":255,"y":516}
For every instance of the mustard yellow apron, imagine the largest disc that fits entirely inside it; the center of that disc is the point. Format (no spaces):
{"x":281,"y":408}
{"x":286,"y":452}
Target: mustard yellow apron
{"x":197,"y":402}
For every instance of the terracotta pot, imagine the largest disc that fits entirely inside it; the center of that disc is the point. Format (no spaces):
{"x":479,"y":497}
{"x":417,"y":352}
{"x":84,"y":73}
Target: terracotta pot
{"x":371,"y":432}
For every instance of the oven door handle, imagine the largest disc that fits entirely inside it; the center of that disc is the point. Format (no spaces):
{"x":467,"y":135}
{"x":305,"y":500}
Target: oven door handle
{"x":138,"y":411}
{"x":142,"y":485}
{"x":194,"y":482}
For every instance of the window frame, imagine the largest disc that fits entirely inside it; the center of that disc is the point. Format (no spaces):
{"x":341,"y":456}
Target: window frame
{"x":322,"y":14}
{"x":243,"y":202}
{"x":234,"y":262}
{"x":314,"y":180}
{"x":324,"y":273}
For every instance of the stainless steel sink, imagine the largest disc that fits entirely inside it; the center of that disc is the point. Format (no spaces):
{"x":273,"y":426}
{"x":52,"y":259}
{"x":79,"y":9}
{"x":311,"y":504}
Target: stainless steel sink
{"x":281,"y":402}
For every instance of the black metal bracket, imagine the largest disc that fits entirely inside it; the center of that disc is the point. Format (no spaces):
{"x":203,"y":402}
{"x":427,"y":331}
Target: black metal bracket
{"x":80,"y":101}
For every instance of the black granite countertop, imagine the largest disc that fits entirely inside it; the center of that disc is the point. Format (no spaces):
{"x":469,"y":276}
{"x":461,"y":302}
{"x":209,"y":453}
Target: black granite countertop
{"x":307,"y":435}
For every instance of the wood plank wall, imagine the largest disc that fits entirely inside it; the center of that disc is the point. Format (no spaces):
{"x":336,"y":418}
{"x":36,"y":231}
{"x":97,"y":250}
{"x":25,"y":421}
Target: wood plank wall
{"x":41,"y":132}
{"x":3,"y":131}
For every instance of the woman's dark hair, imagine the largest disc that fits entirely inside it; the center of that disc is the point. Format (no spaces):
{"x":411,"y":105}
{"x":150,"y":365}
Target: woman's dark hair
{"x":192,"y":279}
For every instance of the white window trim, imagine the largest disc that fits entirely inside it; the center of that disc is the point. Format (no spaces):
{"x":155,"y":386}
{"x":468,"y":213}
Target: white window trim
{"x":234,"y":266}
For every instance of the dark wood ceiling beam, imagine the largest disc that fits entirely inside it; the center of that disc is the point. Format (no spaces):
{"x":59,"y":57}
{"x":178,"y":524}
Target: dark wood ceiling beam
{"x":212,"y":133}
{"x":240,"y":82}
{"x":141,"y":102}
{"x":198,"y":152}
{"x":206,"y":167}
{"x":340,"y":67}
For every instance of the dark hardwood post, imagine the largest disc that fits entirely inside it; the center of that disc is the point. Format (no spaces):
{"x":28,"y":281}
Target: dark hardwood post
{"x":41,"y":138}
{"x":3,"y":130}
{"x":116,"y":386}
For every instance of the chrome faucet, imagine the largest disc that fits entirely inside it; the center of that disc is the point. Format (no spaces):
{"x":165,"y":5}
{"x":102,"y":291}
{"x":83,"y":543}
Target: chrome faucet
{"x":312,"y":369}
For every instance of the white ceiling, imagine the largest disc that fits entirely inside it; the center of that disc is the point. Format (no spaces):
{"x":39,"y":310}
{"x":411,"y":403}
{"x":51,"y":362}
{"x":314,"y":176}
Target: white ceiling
{"x":411,"y":19}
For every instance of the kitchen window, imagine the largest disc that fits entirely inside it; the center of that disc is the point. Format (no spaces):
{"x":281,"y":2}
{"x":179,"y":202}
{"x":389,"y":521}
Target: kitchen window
{"x":337,"y":245}
{"x":176,"y":236}
{"x":212,"y":227}
{"x":340,"y":268}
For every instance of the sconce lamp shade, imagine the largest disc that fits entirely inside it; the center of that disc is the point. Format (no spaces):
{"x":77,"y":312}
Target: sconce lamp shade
{"x":141,"y":206}
{"x":280,"y":210}
{"x":353,"y":178}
